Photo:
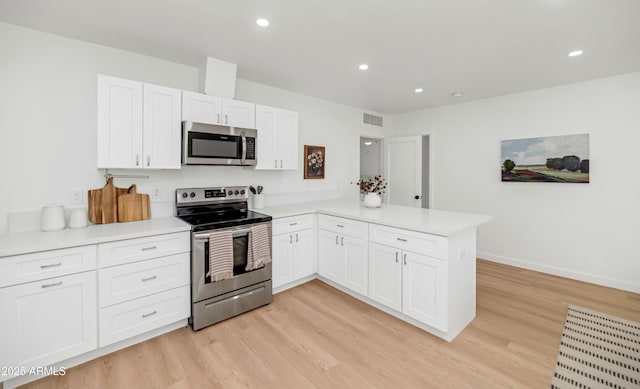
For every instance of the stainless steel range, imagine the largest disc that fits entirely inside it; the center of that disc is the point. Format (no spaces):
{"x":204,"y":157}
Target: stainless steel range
{"x":211,"y":210}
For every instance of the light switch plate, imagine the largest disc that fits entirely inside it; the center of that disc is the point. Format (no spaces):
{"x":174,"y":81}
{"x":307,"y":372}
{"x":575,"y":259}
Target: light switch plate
{"x":156,"y":193}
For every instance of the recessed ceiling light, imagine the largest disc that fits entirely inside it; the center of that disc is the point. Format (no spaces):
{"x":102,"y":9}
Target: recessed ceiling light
{"x":262,"y":22}
{"x":363,"y":66}
{"x":575,"y":53}
{"x":419,"y":90}
{"x":456,"y":94}
{"x":368,"y":143}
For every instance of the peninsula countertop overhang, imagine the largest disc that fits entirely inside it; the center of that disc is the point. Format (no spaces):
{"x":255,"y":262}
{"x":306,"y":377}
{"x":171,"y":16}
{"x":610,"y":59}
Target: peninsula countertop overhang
{"x":431,"y":221}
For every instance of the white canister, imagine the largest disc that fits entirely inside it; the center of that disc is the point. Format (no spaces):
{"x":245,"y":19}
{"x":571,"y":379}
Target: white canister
{"x":52,"y":218}
{"x":259,"y":201}
{"x":78,"y":218}
{"x":372,"y":200}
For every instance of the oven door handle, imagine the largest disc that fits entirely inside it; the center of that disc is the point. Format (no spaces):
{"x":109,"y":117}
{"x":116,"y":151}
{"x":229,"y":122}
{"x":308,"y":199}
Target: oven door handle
{"x":235,"y":232}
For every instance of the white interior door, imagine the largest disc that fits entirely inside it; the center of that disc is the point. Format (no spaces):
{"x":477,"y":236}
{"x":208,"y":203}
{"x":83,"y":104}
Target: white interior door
{"x":403,"y":168}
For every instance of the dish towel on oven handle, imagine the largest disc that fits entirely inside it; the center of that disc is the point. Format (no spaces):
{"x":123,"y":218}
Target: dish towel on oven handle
{"x":258,"y":249}
{"x":220,"y":255}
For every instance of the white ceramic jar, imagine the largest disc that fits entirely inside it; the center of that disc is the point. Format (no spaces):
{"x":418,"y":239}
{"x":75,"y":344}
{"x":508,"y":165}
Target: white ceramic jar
{"x":52,"y":218}
{"x":372,"y":200}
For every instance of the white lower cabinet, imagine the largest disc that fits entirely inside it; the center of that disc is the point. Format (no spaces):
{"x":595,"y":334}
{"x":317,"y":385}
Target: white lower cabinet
{"x":342,"y":252}
{"x":49,"y":320}
{"x":143,"y":285}
{"x":385,"y":275}
{"x":412,"y":283}
{"x":424,"y":289}
{"x":293,"y":249}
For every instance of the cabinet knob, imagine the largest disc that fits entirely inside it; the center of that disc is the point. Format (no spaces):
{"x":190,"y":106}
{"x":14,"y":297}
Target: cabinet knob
{"x":417,"y":197}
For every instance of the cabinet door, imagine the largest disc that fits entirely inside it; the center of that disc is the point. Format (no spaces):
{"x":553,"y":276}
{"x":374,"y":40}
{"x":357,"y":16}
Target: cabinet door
{"x":267,"y":125}
{"x":330,"y":261}
{"x":303,"y":260}
{"x":201,"y":108}
{"x":356,"y":264}
{"x":281,"y":261}
{"x":161,"y":127}
{"x":119,"y":123}
{"x":238,"y":113}
{"x":424,"y":295}
{"x":48,"y":321}
{"x":385,"y":275}
{"x":287,"y":140}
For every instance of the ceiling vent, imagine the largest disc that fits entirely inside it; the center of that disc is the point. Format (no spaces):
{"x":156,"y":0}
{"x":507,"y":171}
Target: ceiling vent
{"x":372,"y":119}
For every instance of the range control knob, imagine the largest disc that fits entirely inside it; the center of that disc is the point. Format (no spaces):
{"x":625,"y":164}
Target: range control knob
{"x":242,"y":191}
{"x":192,"y":194}
{"x":184,"y":195}
{"x":237,"y":192}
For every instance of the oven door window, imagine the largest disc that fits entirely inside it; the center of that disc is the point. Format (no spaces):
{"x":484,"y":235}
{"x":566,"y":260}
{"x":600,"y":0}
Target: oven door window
{"x":240,"y":244}
{"x":203,"y":145}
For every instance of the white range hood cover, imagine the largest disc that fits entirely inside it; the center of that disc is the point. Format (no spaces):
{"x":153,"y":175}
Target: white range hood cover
{"x":218,"y":78}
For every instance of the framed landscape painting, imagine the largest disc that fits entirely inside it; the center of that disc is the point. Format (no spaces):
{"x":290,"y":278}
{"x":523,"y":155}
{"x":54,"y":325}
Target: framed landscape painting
{"x":314,"y":162}
{"x":549,"y":159}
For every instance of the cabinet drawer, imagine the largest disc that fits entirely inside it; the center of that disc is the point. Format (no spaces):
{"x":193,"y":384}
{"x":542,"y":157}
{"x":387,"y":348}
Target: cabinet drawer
{"x":290,"y":224}
{"x":127,"y":282}
{"x":138,"y":316}
{"x":38,"y":266}
{"x":343,"y":226}
{"x":133,"y":250}
{"x":417,"y":242}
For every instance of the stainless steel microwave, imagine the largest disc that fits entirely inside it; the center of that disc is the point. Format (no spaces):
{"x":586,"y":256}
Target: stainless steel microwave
{"x":210,"y":144}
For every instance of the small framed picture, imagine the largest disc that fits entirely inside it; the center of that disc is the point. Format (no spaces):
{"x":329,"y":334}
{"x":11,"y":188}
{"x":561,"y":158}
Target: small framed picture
{"x":314,"y":162}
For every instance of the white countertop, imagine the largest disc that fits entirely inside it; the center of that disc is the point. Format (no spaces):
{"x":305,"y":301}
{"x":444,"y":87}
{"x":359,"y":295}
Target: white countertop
{"x":28,"y":242}
{"x":431,"y":221}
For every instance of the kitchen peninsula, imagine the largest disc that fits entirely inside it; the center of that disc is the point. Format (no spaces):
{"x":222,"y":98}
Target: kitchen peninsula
{"x":416,"y":264}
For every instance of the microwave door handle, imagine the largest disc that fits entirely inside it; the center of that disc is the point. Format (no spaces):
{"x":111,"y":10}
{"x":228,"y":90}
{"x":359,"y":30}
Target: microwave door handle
{"x":244,"y":148}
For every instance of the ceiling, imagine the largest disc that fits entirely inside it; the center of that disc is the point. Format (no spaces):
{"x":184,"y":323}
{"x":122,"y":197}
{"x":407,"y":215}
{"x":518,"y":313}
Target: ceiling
{"x":481,"y":48}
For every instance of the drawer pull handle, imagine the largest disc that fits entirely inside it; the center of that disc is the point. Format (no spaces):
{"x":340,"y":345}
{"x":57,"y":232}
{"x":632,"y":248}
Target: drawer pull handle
{"x":149,"y":278}
{"x":149,"y":248}
{"x":293,"y":224}
{"x":52,"y":265}
{"x":145,"y":315}
{"x":340,"y":225}
{"x":405,"y":259}
{"x":401,"y":240}
{"x":54,"y":284}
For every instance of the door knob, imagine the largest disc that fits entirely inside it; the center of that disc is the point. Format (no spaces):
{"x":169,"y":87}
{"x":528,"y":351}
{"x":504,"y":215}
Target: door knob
{"x":417,"y":197}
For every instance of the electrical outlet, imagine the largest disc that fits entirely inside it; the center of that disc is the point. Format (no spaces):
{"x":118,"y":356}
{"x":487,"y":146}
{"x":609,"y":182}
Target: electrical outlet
{"x":75,"y":196}
{"x":156,"y":193}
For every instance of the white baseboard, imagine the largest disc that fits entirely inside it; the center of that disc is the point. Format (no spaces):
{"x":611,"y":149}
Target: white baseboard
{"x":562,"y":272}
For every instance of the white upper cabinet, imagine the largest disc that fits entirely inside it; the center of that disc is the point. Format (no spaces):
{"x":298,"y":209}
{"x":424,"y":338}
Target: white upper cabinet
{"x":201,"y":108}
{"x":138,"y":125}
{"x":238,"y":113}
{"x":161,"y":127}
{"x":119,"y":123}
{"x":277,"y":138}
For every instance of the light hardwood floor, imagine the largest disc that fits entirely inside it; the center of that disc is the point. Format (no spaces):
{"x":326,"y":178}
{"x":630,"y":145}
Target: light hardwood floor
{"x":314,"y":336}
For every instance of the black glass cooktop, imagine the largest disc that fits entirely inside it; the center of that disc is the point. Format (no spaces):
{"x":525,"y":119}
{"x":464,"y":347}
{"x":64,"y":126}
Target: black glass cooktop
{"x":223,"y":219}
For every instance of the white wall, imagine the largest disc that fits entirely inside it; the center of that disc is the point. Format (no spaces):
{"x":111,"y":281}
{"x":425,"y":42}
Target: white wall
{"x":589,"y":231}
{"x":48,"y":127}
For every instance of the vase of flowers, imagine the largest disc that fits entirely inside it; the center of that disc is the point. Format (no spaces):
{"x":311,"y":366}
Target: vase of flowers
{"x":372,"y":189}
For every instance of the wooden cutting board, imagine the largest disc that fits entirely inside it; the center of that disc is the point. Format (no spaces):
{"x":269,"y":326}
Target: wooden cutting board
{"x":133,"y":206}
{"x":103,"y":203}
